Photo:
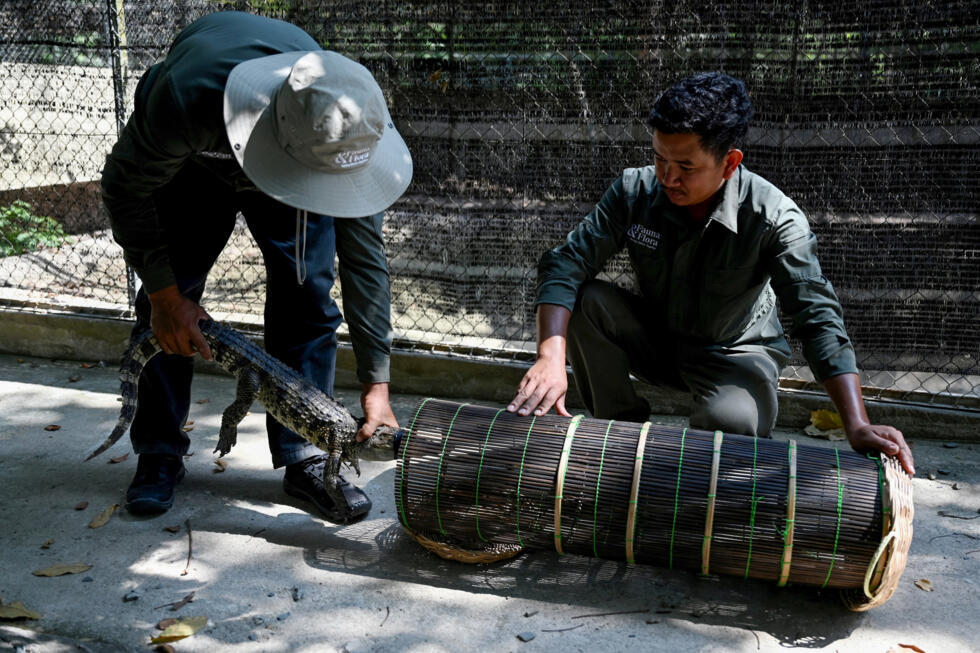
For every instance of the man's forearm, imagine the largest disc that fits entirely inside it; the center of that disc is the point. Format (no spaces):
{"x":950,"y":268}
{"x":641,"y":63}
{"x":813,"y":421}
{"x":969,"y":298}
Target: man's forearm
{"x":845,"y":391}
{"x":552,"y":331}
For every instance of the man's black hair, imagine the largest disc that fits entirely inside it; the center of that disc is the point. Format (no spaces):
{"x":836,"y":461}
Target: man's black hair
{"x":715,"y":106}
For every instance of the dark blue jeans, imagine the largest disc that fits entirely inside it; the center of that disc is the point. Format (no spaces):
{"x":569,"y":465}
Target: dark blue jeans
{"x":197,"y":211}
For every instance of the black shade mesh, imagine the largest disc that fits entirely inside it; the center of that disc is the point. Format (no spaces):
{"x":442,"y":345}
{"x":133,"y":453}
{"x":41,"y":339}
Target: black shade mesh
{"x":519,"y":115}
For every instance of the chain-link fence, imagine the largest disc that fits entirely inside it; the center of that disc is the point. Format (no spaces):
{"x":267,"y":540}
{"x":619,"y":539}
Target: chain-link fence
{"x":518,"y":117}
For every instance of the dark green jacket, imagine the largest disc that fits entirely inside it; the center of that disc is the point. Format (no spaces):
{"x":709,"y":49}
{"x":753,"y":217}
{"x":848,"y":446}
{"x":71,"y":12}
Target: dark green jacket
{"x":714,"y":282}
{"x":178,"y":117}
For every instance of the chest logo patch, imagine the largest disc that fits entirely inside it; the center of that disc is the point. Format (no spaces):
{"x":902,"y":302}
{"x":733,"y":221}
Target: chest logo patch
{"x":644,"y":236}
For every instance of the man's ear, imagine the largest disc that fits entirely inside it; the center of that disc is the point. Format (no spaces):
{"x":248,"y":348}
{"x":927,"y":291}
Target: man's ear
{"x":732,"y":160}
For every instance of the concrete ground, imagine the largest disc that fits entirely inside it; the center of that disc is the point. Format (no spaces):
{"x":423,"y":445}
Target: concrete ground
{"x":268,"y":576}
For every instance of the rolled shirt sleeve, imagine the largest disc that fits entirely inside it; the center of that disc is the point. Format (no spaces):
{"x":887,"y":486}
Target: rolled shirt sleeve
{"x":563,"y":270}
{"x":366,"y":289}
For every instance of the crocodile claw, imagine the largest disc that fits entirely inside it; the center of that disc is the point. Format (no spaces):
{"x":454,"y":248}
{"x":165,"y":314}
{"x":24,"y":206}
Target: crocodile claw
{"x":382,"y":445}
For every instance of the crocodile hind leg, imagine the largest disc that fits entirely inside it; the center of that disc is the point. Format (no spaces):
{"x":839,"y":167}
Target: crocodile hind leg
{"x":248,"y":387}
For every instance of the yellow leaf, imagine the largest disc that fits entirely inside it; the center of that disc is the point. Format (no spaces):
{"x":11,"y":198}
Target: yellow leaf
{"x":222,"y":466}
{"x":103,"y":517}
{"x":61,"y":570}
{"x":183,"y":628}
{"x":925,"y":584}
{"x":826,"y":420}
{"x":17,"y":610}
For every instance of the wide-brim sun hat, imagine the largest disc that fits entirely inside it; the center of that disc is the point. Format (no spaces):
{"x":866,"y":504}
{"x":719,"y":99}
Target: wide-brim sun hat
{"x":312,"y":130}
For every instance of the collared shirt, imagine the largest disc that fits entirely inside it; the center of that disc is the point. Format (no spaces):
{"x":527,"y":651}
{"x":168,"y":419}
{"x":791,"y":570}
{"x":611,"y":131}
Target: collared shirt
{"x":178,"y":118}
{"x":716,"y":281}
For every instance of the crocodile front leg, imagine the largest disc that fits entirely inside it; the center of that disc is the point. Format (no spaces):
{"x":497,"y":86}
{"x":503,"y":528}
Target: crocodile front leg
{"x":248,"y":387}
{"x":331,"y":481}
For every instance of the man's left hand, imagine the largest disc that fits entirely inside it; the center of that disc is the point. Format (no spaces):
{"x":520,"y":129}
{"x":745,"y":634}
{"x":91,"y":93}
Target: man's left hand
{"x":377,"y":410}
{"x":887,"y":439}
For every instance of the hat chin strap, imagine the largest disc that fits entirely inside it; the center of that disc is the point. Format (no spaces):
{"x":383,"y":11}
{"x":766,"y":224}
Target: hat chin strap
{"x":301,"y":219}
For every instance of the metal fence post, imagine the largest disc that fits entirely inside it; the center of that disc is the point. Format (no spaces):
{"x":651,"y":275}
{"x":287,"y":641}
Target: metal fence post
{"x":116,"y":38}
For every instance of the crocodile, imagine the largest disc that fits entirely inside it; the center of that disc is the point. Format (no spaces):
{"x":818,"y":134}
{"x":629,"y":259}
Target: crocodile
{"x":289,"y":397}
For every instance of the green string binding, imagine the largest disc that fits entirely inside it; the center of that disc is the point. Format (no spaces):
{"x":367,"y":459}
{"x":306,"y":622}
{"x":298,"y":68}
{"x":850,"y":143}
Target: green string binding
{"x":753,"y":503}
{"x":598,"y":479}
{"x":479,"y":472}
{"x":677,"y":494}
{"x":840,"y":508}
{"x":442,"y":455}
{"x":885,"y":508}
{"x":520,"y":477}
{"x":401,"y":482}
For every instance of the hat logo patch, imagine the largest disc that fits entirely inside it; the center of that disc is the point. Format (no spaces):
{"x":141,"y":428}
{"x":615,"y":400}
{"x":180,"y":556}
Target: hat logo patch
{"x":352,"y":158}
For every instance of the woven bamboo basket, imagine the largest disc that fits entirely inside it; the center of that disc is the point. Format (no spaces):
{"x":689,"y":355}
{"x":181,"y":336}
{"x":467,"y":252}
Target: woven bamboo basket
{"x":478,"y":484}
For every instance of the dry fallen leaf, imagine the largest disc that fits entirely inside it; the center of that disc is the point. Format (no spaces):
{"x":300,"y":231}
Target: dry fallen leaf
{"x":103,"y":517}
{"x":61,"y":570}
{"x":188,"y":429}
{"x":826,"y":419}
{"x":924,"y":584}
{"x":166,"y":623}
{"x":47,"y":544}
{"x":181,"y":603}
{"x":834,"y":435}
{"x":73,"y":379}
{"x":17,"y":610}
{"x":88,"y":365}
{"x":189,"y":422}
{"x":81,"y":505}
{"x":52,"y":427}
{"x":202,"y":401}
{"x":118,"y":459}
{"x":912,"y":646}
{"x":183,"y":628}
{"x":172,"y":529}
{"x":221,"y":466}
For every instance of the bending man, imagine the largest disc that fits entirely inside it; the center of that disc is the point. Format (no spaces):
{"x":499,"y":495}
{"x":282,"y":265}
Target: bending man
{"x":247,"y":114}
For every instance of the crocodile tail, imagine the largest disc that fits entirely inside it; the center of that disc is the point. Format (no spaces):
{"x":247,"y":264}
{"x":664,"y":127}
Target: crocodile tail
{"x":142,"y":347}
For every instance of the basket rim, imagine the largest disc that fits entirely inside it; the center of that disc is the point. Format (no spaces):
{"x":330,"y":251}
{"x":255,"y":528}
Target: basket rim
{"x":885,"y":569}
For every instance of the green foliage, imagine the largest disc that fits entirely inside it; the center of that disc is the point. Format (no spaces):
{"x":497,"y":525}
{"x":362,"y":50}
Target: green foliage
{"x":276,"y":8}
{"x":22,"y":231}
{"x":83,"y":51}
